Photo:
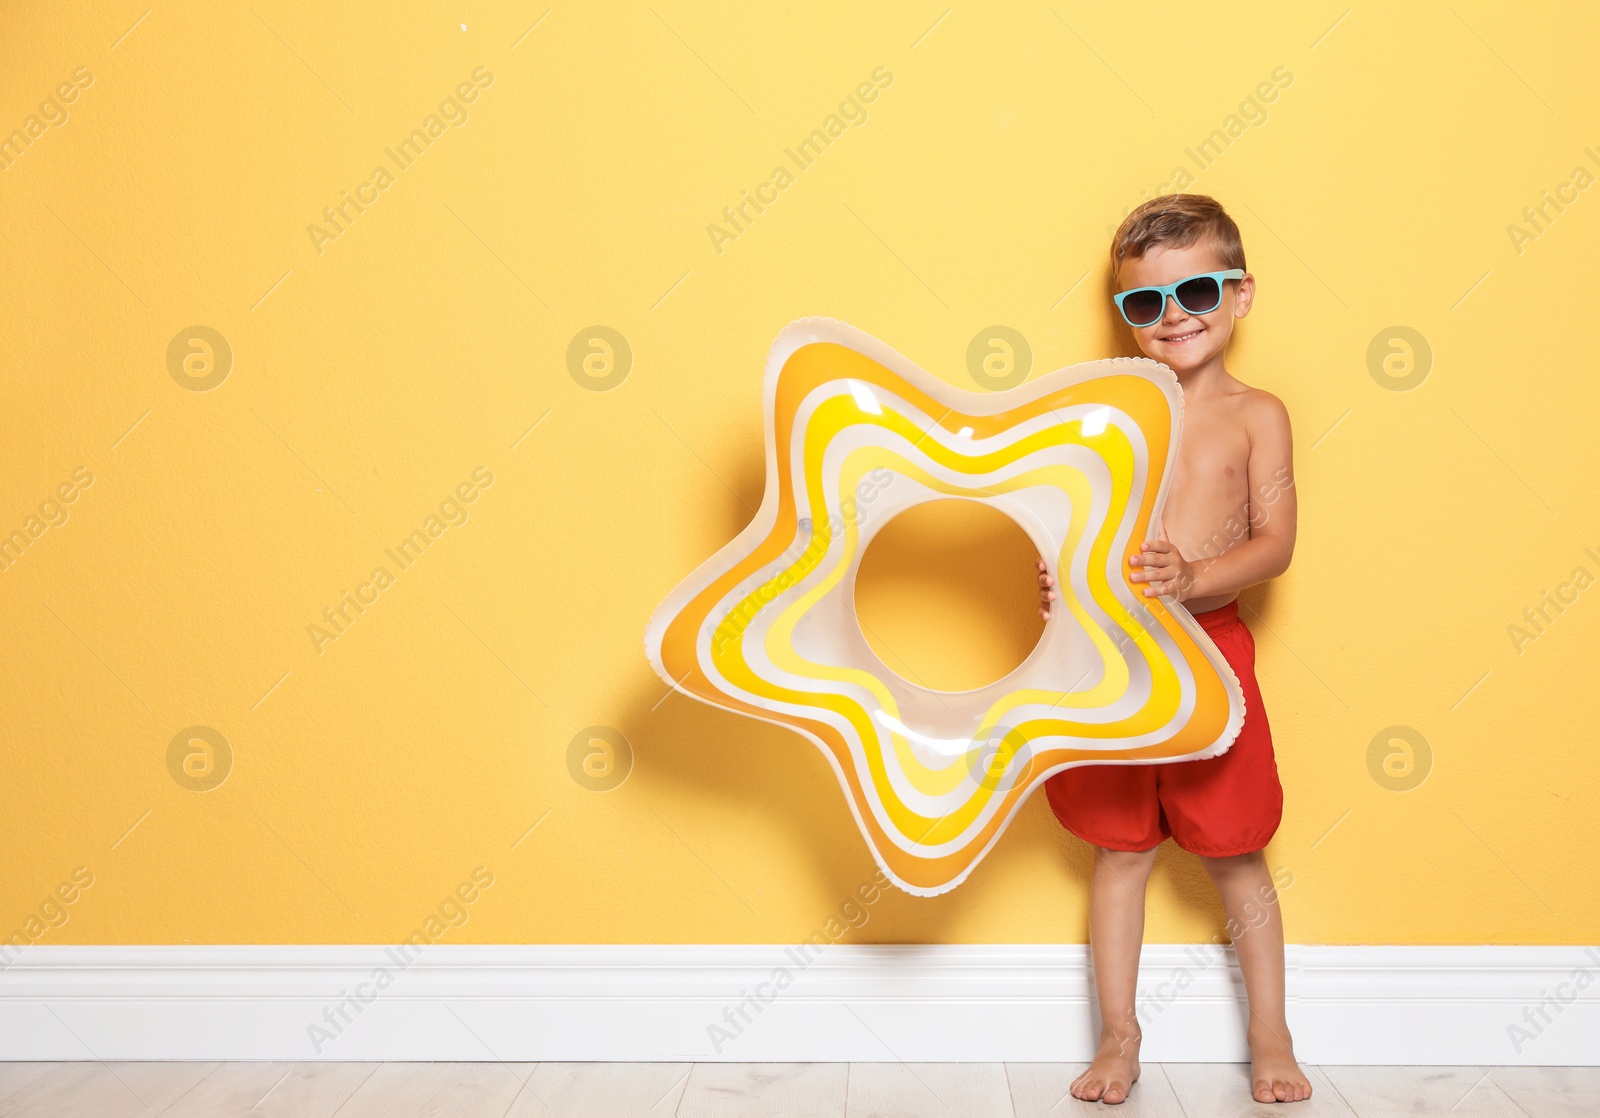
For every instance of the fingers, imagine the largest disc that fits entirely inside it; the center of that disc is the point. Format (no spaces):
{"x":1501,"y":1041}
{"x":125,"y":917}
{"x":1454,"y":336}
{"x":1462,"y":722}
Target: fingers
{"x":1153,"y":551}
{"x":1155,"y":567}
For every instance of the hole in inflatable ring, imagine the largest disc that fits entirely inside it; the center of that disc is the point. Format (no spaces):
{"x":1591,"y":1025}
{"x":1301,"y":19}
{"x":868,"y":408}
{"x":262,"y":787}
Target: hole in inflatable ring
{"x":948,"y":595}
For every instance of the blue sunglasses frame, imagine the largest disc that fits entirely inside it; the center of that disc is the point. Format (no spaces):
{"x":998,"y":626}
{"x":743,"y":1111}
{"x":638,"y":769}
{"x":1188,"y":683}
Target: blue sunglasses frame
{"x":1171,"y":290}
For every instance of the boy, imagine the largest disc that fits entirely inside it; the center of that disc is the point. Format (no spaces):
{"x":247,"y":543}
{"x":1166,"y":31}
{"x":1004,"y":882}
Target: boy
{"x":1229,"y":524}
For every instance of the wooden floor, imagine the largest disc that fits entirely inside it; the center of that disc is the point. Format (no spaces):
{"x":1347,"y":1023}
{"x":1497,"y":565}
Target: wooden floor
{"x":181,"y":1090}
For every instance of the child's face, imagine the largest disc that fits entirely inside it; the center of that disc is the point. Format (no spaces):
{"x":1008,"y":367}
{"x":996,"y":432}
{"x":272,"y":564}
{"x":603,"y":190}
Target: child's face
{"x":1180,"y":340}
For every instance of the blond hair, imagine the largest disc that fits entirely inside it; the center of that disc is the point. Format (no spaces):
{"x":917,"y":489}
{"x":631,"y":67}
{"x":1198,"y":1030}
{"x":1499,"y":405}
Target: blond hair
{"x":1178,"y":220}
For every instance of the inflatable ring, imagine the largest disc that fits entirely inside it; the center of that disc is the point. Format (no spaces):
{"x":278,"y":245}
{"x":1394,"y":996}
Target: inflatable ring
{"x":855,"y":433}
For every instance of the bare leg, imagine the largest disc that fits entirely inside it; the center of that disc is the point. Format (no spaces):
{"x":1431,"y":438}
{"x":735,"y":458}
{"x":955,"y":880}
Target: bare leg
{"x":1256,"y":925}
{"x":1116,"y":933}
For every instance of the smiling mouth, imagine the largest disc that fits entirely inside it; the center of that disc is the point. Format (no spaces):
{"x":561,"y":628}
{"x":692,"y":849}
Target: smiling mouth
{"x":1180,"y":339}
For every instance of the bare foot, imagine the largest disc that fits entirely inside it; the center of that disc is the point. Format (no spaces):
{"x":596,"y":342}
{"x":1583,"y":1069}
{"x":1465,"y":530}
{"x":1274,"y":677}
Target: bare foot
{"x":1274,"y":1074}
{"x":1113,"y":1072}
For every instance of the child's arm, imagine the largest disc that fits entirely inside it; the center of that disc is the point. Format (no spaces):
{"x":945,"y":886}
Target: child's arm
{"x":1265,"y":554}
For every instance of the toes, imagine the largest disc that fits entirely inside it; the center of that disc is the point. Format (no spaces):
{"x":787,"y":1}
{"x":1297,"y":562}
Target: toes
{"x":1263,"y":1091}
{"x":1114,"y":1094}
{"x":1280,"y":1090}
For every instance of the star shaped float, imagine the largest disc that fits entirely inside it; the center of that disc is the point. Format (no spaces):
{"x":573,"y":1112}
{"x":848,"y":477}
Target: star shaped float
{"x":855,"y":433}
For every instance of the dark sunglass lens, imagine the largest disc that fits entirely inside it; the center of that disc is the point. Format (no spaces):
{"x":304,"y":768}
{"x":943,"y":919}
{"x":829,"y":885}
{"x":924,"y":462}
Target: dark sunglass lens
{"x":1144,"y":306}
{"x":1199,"y":295}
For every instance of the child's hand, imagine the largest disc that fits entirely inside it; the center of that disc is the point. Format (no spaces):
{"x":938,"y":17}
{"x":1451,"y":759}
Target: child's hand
{"x":1046,"y":595}
{"x":1168,"y":573}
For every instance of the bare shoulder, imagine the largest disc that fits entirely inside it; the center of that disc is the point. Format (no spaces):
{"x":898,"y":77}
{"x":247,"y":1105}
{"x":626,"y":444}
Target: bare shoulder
{"x":1263,"y":414}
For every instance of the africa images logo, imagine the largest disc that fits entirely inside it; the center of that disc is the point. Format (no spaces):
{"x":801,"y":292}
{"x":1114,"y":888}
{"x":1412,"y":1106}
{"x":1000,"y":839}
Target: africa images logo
{"x":852,"y":113}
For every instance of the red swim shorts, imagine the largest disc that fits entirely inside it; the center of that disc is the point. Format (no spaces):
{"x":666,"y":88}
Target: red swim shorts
{"x":1218,"y":807}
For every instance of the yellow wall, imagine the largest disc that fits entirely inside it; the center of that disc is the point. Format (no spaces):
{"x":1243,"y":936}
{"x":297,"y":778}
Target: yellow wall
{"x":370,"y":777}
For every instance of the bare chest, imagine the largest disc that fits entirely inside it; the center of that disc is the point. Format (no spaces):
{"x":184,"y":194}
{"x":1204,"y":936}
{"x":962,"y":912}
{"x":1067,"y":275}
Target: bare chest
{"x":1208,"y":506}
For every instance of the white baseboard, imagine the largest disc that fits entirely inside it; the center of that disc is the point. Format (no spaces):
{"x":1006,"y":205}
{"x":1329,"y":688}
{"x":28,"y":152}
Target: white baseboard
{"x":1015,"y":1002}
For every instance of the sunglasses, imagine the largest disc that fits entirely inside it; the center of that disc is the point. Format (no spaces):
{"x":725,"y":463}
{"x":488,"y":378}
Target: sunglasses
{"x":1201,"y":294}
